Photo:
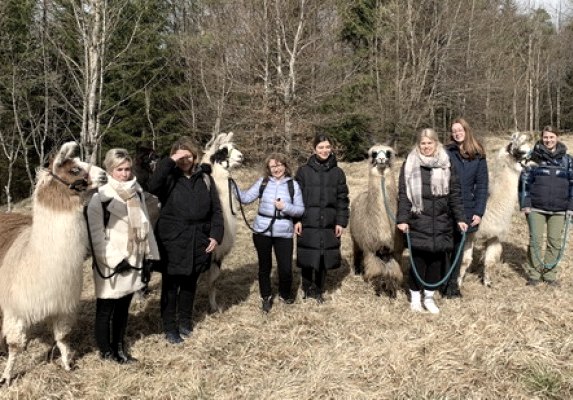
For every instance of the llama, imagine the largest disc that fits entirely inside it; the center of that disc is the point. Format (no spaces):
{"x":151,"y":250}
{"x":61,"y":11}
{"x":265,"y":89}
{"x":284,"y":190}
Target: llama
{"x":41,"y":257}
{"x":222,"y":155}
{"x":375,"y":240}
{"x":503,"y":190}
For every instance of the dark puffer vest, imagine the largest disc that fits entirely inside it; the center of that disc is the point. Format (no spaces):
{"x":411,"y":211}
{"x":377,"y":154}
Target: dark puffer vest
{"x":548,"y":186}
{"x":325,"y":196}
{"x":432,"y":229}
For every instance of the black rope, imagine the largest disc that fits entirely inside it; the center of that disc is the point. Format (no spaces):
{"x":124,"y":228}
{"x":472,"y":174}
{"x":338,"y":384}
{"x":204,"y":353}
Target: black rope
{"x":233,"y":184}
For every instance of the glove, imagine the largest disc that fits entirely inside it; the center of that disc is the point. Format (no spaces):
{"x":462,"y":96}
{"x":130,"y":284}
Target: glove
{"x":122,"y":267}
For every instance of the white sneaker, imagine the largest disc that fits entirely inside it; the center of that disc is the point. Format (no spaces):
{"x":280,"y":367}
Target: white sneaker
{"x":431,"y":306}
{"x":416,"y":301}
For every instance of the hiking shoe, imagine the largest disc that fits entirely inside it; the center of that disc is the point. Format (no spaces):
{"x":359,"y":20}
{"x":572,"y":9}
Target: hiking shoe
{"x":267,"y":304}
{"x":319,"y":298}
{"x":185,"y":331}
{"x":431,"y":306}
{"x":286,"y":300}
{"x":532,"y":282}
{"x":173,"y":337}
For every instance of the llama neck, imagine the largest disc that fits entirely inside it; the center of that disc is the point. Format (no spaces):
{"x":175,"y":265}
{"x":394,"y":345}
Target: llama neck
{"x":57,"y":197}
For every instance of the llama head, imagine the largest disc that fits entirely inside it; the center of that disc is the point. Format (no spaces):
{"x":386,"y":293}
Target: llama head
{"x":520,"y":147}
{"x":381,"y":157}
{"x":221,"y":150}
{"x":77,"y":175}
{"x":145,"y":157}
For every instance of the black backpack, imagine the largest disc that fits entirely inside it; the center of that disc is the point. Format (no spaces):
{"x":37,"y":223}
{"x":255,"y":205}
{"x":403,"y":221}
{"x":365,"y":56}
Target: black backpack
{"x":290,"y":184}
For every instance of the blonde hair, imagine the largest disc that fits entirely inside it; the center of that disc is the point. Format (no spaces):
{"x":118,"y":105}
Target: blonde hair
{"x":115,"y":157}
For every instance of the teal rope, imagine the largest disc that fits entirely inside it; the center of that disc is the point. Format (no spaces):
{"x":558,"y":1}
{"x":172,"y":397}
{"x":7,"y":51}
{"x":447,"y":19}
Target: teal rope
{"x":424,"y":283}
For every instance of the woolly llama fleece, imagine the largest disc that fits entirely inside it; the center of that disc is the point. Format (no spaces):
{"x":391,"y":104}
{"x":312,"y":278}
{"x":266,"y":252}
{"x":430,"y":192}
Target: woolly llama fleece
{"x":41,"y":257}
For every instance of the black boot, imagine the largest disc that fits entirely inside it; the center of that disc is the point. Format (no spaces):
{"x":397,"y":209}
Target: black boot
{"x":123,"y":356}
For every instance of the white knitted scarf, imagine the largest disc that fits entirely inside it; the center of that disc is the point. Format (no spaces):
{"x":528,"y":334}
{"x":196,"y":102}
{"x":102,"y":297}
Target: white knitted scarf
{"x":440,"y":173}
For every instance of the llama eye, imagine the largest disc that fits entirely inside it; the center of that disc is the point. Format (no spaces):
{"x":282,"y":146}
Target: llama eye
{"x":75,"y":171}
{"x":388,"y":154}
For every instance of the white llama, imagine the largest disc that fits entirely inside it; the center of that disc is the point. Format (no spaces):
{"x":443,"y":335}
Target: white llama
{"x":222,"y":155}
{"x":377,"y":244}
{"x":501,"y":203}
{"x":41,"y":257}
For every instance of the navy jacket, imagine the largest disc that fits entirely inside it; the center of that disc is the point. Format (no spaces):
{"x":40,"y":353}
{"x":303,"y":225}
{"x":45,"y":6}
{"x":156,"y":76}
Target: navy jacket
{"x":547,"y":185}
{"x":474,"y":182}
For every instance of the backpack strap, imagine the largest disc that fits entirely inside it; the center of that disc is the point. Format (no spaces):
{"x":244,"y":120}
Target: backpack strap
{"x":290,"y":184}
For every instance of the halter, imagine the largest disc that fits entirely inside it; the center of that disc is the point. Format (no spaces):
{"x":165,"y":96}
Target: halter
{"x":78,"y":186}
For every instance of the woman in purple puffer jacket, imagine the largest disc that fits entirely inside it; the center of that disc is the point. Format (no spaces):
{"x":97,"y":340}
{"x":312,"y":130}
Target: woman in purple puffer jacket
{"x":280,"y":200}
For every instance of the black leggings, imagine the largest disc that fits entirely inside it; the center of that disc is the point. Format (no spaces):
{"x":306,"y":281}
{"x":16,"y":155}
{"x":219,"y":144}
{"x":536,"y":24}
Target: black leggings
{"x":283,"y":254}
{"x":430,"y":267}
{"x":111,"y":322}
{"x":177,"y":297}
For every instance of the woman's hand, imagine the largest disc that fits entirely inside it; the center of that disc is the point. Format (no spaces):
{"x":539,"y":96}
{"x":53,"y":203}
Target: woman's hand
{"x":526,"y":210}
{"x":179,"y":154}
{"x":212,"y":245}
{"x":403,"y":227}
{"x":338,"y":230}
{"x":476,"y":219}
{"x":463,"y":226}
{"x":279,"y":204}
{"x":298,"y":228}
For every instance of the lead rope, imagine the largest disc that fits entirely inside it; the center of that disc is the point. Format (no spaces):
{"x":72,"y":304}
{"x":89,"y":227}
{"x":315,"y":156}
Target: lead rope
{"x":408,"y":240}
{"x":233,"y":185}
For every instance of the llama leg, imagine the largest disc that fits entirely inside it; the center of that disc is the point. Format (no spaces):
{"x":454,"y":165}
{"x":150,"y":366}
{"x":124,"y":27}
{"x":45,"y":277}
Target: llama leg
{"x":15,"y":332}
{"x":214,"y":273}
{"x":491,"y":259}
{"x":61,"y":328}
{"x":468,"y":254}
{"x":357,"y":259}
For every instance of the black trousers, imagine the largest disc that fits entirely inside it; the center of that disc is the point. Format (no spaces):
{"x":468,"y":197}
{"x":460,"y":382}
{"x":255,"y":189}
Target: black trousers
{"x":430,"y":267}
{"x":452,"y":281}
{"x":313,"y":279}
{"x":283,"y":254}
{"x":111,"y":322}
{"x":177,"y":298}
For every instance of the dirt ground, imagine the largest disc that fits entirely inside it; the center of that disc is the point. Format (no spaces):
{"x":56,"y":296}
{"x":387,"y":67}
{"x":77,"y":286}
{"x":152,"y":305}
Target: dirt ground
{"x":509,"y":341}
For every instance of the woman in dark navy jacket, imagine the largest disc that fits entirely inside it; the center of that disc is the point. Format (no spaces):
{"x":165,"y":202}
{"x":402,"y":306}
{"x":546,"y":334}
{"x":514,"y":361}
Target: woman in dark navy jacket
{"x":546,"y":198}
{"x":468,"y":157}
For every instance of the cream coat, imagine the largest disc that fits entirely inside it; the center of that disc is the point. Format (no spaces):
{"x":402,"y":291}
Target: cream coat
{"x":110,"y":244}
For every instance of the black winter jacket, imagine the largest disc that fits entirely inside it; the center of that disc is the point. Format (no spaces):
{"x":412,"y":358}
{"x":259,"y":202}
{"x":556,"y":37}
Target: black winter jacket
{"x":548,"y":185}
{"x":190,"y":214}
{"x":473,"y":177}
{"x":325,"y":196}
{"x":432,"y":229}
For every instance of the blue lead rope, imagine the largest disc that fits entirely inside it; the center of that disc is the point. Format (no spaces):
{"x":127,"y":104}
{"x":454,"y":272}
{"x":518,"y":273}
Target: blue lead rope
{"x":458,"y":251}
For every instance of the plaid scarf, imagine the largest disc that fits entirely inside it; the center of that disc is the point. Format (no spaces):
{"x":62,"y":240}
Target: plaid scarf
{"x":440,"y":173}
{"x":138,"y":229}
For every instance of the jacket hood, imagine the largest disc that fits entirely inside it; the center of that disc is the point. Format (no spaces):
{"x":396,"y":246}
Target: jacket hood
{"x":540,"y":152}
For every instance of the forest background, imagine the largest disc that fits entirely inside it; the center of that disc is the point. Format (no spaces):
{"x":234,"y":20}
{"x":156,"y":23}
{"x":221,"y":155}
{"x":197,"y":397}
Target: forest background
{"x":111,"y":73}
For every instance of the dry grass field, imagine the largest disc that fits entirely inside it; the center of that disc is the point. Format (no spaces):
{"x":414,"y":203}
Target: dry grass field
{"x":505,"y":342}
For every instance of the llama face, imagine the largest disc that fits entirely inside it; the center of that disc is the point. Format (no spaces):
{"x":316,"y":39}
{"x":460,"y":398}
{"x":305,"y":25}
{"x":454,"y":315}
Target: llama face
{"x":381,"y":157}
{"x":520,"y":147}
{"x":227,"y":156}
{"x":74,"y":173}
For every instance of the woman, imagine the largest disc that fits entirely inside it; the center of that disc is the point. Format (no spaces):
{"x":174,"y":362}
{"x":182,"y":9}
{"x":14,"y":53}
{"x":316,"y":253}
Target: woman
{"x":325,"y":196}
{"x":121,"y":240}
{"x":428,"y":195}
{"x":467,"y":155}
{"x":546,"y":198}
{"x":189,"y":228}
{"x":273,"y":225}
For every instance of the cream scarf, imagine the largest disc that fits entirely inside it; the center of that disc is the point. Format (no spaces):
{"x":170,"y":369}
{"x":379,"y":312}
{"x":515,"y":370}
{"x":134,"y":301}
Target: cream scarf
{"x":440,"y":166}
{"x":138,"y":229}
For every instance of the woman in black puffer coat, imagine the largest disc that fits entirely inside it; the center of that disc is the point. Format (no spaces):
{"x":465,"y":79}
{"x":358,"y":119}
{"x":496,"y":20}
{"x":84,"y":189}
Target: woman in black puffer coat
{"x":189,"y":229}
{"x":428,"y":203}
{"x":325,"y":196}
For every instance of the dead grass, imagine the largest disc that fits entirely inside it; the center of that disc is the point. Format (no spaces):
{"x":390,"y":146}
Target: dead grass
{"x":506,"y":342}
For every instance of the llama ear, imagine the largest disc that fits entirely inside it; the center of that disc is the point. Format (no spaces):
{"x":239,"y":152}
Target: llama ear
{"x":229,"y":137}
{"x":65,"y":153}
